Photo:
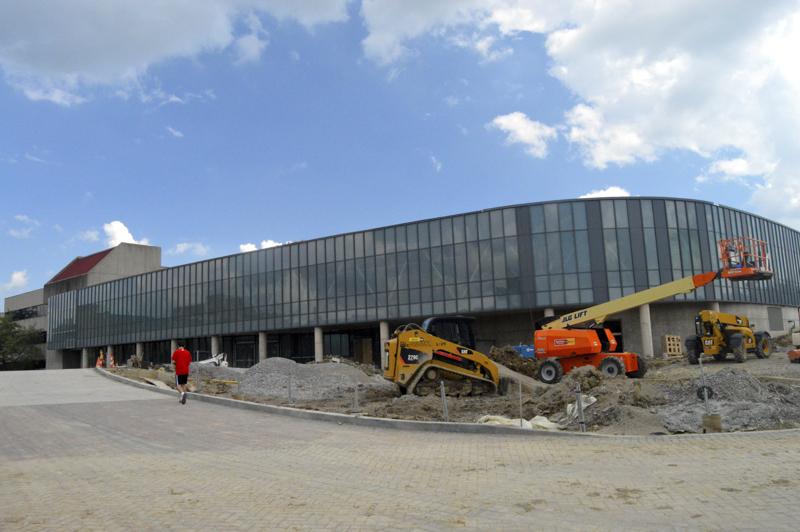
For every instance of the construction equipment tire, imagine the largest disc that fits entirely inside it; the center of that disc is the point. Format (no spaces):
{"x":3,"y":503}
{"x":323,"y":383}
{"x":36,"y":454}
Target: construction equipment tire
{"x":550,"y":371}
{"x":611,"y":367}
{"x":720,"y":357}
{"x":737,"y":347}
{"x":763,"y":345}
{"x":693,"y":352}
{"x":639,"y":373}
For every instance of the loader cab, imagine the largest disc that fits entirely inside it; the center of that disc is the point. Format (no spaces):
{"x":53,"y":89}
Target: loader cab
{"x":456,"y":329}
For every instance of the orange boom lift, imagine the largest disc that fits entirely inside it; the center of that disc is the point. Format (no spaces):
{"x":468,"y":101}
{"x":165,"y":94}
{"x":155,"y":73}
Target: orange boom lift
{"x":563,"y":343}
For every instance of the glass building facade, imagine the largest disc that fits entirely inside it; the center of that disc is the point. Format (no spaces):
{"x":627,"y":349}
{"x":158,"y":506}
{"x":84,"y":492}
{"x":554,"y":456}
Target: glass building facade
{"x":557,"y":254}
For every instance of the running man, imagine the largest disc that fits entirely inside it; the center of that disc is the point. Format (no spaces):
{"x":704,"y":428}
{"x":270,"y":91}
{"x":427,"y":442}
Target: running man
{"x":181,"y":358}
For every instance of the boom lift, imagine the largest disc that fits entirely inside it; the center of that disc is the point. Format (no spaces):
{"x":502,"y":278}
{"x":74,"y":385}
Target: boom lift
{"x":578,"y":338}
{"x":442,"y":350}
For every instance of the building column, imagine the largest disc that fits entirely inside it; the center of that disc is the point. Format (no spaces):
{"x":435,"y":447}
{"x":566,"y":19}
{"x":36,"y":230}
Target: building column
{"x":318,"y":345}
{"x":715,"y":306}
{"x":262,"y":346}
{"x":548,"y":312}
{"x":384,"y":336}
{"x":85,"y":357}
{"x":214,"y":345}
{"x":109,"y":353}
{"x":139,"y":349}
{"x":647,"y":331}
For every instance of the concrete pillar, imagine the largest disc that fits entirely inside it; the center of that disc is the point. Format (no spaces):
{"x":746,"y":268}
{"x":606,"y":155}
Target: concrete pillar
{"x":139,"y":349}
{"x":109,"y":352}
{"x":262,"y":346}
{"x":647,"y":331}
{"x":384,"y":336}
{"x":715,"y":306}
{"x":549,"y":312}
{"x":214,"y":345}
{"x":173,"y":345}
{"x":85,"y":357}
{"x":318,"y":345}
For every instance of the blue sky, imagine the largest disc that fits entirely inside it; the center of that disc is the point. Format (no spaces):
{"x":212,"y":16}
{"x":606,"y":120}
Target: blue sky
{"x":205,"y":129}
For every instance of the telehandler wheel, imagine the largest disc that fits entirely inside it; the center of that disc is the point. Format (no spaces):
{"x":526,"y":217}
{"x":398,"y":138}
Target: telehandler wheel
{"x":763,"y":345}
{"x":737,"y":347}
{"x":550,"y":371}
{"x":639,"y":373}
{"x":611,"y":367}
{"x":693,"y":351}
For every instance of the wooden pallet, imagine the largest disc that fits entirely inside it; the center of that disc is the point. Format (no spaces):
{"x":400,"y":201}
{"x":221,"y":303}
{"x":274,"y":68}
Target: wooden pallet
{"x":673,"y":346}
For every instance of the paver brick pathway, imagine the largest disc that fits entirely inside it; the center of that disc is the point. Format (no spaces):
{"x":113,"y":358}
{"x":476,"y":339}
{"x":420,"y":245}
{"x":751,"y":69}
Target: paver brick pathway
{"x":78,"y":451}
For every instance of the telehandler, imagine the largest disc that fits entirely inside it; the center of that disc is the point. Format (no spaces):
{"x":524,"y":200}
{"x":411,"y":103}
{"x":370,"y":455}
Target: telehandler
{"x":719,"y":334}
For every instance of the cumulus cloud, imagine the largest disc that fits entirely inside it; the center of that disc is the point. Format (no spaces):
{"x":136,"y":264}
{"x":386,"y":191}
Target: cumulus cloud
{"x":265,"y":244}
{"x":117,"y":233}
{"x":522,"y":130}
{"x":250,"y":46}
{"x":609,"y":192}
{"x":194,"y":248}
{"x":60,"y":51}
{"x":436,"y":163}
{"x":17,"y":281}
{"x":719,"y":79}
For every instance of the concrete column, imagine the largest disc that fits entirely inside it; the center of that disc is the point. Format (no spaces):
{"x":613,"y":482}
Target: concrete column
{"x":262,"y":346}
{"x":85,"y":357}
{"x":715,"y":306}
{"x":318,"y":345}
{"x":384,"y":336}
{"x":549,"y":312}
{"x":647,"y":331}
{"x":140,"y":350}
{"x":173,"y":345}
{"x":214,"y":345}
{"x":109,"y":352}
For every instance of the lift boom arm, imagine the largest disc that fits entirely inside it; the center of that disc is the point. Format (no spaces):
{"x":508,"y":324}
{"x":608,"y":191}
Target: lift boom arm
{"x":597,"y":314}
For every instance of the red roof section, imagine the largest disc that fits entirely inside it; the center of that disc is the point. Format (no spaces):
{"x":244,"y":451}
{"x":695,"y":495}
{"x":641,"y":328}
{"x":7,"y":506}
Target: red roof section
{"x":79,"y":266}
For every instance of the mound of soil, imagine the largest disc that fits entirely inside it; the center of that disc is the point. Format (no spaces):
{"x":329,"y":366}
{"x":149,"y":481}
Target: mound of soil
{"x":508,"y":357}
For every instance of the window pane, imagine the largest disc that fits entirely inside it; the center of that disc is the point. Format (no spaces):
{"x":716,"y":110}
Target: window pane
{"x":537,"y":219}
{"x":551,"y":217}
{"x":496,"y":221}
{"x":610,"y":241}
{"x":607,"y":211}
{"x":483,"y":226}
{"x":621,"y":211}
{"x":510,"y":222}
{"x":565,"y":216}
{"x":553,"y":253}
{"x":568,"y":252}
{"x":579,"y":215}
{"x":647,"y":213}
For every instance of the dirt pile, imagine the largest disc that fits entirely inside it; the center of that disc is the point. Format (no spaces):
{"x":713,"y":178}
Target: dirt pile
{"x":209,"y":371}
{"x":508,"y":357}
{"x":273,"y":377}
{"x":743,"y":402}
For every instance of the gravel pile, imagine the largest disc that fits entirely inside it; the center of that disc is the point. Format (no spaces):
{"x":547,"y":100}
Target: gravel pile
{"x":310,"y":382}
{"x":743,"y":402}
{"x":208,"y":371}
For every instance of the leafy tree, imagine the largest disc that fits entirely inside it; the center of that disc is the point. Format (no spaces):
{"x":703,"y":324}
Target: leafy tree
{"x":18,"y":347}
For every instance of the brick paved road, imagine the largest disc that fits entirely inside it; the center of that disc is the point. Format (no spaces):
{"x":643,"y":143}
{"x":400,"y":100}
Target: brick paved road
{"x":123,"y":458}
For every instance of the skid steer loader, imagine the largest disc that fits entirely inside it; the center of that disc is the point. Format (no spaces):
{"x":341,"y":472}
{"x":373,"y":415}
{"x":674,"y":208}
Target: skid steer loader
{"x":442,"y":350}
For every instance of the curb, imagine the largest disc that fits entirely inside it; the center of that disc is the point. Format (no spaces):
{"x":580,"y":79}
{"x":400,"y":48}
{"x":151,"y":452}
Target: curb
{"x":425,"y":426}
{"x":352,"y":419}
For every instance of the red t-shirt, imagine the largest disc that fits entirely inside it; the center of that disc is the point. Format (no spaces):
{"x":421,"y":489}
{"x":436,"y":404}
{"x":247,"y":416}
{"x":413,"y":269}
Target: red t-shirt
{"x":182,"y":358}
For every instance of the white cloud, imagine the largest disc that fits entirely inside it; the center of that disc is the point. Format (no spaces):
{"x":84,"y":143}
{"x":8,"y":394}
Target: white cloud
{"x":90,"y":235}
{"x":17,"y":281}
{"x":28,"y":225}
{"x":250,"y":46}
{"x":609,"y":192}
{"x":437,"y":164}
{"x":265,"y":244}
{"x":718,"y":79}
{"x":174,"y":132}
{"x":61,"y":52}
{"x":195,"y":248}
{"x":117,"y":233}
{"x":522,"y":130}
{"x":34,"y":159}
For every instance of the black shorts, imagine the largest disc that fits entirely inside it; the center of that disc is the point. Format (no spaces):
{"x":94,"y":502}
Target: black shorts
{"x":181,"y":379}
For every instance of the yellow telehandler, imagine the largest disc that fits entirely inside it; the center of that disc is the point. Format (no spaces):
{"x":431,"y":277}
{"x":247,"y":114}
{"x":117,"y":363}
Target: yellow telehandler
{"x":719,"y":334}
